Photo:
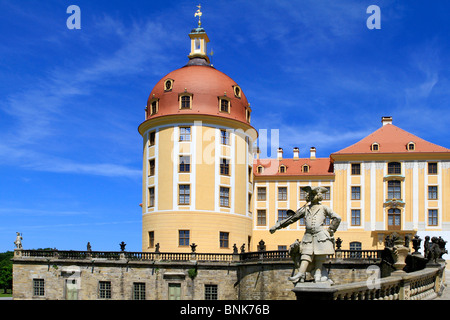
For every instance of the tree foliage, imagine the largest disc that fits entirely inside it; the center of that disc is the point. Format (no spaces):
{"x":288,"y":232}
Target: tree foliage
{"x":6,"y":270}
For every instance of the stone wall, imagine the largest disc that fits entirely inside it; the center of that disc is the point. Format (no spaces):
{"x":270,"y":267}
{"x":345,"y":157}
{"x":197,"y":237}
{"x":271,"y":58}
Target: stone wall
{"x":259,"y":280}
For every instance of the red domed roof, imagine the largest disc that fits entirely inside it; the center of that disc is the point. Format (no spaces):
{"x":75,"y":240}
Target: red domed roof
{"x":206,"y":86}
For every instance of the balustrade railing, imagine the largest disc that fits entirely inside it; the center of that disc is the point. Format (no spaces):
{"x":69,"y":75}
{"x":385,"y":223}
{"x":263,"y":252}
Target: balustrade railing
{"x":276,"y":255}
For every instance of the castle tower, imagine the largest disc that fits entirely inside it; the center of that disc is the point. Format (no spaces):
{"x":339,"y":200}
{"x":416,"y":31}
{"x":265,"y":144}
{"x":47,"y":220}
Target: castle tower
{"x":197,"y":159}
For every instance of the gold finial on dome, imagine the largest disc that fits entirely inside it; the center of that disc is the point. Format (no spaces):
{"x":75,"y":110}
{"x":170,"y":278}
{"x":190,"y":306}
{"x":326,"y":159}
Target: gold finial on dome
{"x":199,"y":14}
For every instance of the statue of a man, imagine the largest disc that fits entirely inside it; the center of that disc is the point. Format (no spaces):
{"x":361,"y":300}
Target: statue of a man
{"x":18,"y":241}
{"x":318,"y":241}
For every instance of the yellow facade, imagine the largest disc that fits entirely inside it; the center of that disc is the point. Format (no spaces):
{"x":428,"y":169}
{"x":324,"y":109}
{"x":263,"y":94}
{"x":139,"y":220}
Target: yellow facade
{"x":212,"y":222}
{"x":421,"y":210}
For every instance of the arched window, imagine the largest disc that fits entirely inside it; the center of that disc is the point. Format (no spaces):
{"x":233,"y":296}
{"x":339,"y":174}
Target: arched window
{"x":305,"y":168}
{"x":394,"y":168}
{"x":394,"y":219}
{"x":375,"y":146}
{"x":411,"y":146}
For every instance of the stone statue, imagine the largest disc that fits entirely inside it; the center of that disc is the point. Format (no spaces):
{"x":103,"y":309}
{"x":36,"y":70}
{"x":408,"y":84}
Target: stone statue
{"x":441,"y":242}
{"x":122,"y":246}
{"x":434,"y":250}
{"x":235,"y":249}
{"x":157,"y":247}
{"x":426,"y":246}
{"x":88,"y":246}
{"x":318,"y":241}
{"x":193,"y":247}
{"x":18,"y":242}
{"x":243,"y":248}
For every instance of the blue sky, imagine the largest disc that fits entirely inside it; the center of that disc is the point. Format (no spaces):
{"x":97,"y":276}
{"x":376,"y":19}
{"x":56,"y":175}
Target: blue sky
{"x":71,"y":100}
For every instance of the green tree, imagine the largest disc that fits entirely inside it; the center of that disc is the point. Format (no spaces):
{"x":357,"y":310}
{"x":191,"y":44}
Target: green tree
{"x":6,"y":270}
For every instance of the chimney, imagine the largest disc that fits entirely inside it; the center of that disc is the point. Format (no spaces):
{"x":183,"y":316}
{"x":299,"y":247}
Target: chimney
{"x":296,"y":152}
{"x":386,"y":120}
{"x":280,"y":153}
{"x":313,"y":153}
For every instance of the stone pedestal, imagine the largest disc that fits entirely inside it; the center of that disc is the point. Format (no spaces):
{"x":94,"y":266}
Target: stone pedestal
{"x":314,"y":291}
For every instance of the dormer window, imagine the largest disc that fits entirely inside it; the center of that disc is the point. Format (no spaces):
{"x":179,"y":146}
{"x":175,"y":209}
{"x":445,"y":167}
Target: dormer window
{"x":282,"y":169}
{"x":224,"y":104}
{"x":185,"y":101}
{"x":305,"y":168}
{"x":153,"y":107}
{"x":411,"y":146}
{"x":168,"y":85}
{"x":248,"y":114}
{"x":260,"y":169}
{"x":375,"y":146}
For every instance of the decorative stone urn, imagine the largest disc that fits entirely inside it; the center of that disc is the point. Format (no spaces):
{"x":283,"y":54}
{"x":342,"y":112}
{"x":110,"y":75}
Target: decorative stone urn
{"x":400,"y":254}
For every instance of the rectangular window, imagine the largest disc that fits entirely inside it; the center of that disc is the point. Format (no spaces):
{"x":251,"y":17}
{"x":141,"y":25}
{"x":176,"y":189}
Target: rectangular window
{"x":432,"y":217}
{"x":210,"y":291}
{"x":356,"y":217}
{"x":302,"y":194}
{"x":224,"y":166}
{"x":394,"y":189}
{"x":224,"y":137}
{"x":154,"y":107}
{"x":185,"y":102}
{"x":432,"y":168}
{"x":38,"y":287}
{"x":151,"y":167}
{"x":282,"y":193}
{"x":224,"y":237}
{"x":151,"y":239}
{"x":432,"y":192}
{"x":224,"y":105}
{"x":250,"y":202}
{"x":104,"y":289}
{"x":394,"y":168}
{"x":282,"y":214}
{"x":282,"y":248}
{"x":183,"y":237}
{"x":185,"y":164}
{"x":261,"y":217}
{"x":224,"y":197}
{"x":151,"y":138}
{"x":138,"y":291}
{"x":356,"y":168}
{"x":151,"y":196}
{"x":185,"y":133}
{"x":184,"y":194}
{"x":261,"y":193}
{"x":356,"y":193}
{"x":327,"y":195}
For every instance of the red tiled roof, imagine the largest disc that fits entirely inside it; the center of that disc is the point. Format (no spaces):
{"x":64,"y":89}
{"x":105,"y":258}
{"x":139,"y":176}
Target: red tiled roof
{"x":391,"y":139}
{"x":206,"y":84}
{"x":318,"y":166}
